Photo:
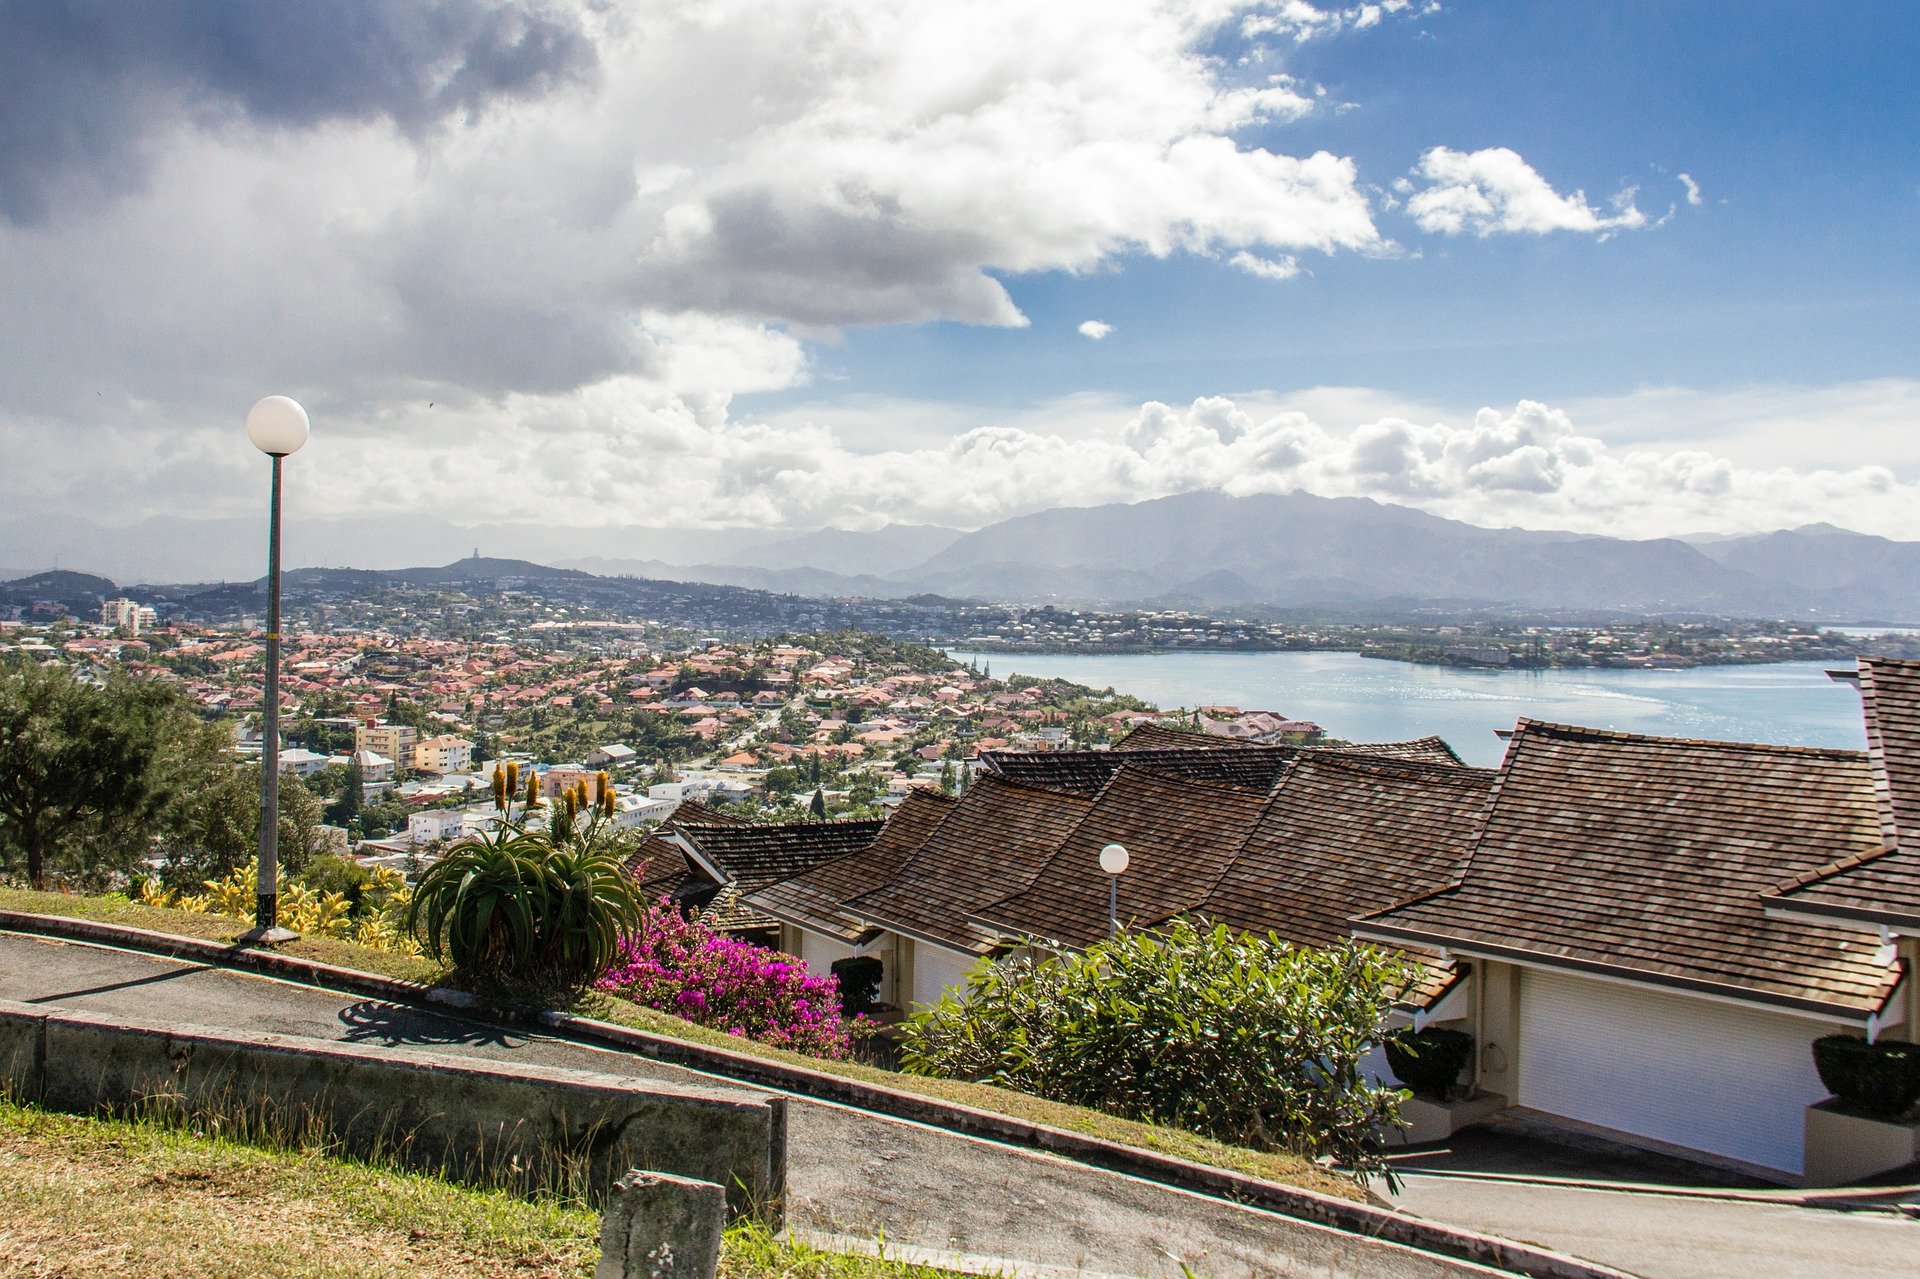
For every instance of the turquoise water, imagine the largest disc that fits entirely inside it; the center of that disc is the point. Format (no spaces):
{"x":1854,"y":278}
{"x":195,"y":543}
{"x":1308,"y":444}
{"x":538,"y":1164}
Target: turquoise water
{"x":1363,"y":699}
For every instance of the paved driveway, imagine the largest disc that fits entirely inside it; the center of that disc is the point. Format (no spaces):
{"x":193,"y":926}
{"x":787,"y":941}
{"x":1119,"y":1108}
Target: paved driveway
{"x":1646,"y":1213}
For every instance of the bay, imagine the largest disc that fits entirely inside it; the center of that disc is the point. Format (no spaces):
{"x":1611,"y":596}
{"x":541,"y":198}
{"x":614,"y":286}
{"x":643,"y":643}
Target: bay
{"x":1366,"y":699}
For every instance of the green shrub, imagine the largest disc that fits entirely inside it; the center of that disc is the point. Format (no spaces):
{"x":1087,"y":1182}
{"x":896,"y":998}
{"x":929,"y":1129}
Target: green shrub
{"x":1429,"y":1061}
{"x":1880,"y":1079}
{"x":859,"y":978}
{"x":1242,"y":1038}
{"x":332,"y":873}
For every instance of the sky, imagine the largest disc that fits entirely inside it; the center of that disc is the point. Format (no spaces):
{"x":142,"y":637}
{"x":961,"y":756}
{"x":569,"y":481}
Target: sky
{"x":1640,"y":268}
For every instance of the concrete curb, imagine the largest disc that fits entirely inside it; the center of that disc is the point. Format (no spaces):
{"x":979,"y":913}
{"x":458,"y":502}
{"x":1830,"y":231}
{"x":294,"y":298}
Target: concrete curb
{"x":1861,"y":1199}
{"x":1218,"y":1183}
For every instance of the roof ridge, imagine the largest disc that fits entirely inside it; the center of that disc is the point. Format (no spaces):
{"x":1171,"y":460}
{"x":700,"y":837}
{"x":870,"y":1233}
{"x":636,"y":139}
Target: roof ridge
{"x":1369,"y":761}
{"x":1578,"y":732}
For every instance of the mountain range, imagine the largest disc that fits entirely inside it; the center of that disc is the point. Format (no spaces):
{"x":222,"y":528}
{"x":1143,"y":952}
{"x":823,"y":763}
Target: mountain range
{"x":1200,"y":550}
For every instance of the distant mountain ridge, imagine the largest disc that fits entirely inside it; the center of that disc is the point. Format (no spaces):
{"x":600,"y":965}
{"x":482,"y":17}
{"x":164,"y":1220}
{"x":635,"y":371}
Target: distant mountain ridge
{"x":1202,"y":550}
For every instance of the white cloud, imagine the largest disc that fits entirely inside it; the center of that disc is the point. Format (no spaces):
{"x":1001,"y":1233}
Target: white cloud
{"x":870,"y":162}
{"x":1303,"y":21}
{"x":1265,"y":268}
{"x":1495,"y":191}
{"x":1693,"y":188}
{"x":1095,"y":329}
{"x":624,"y":452}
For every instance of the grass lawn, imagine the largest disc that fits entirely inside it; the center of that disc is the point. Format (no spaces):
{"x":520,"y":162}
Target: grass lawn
{"x":94,"y":1197}
{"x":1289,"y":1169}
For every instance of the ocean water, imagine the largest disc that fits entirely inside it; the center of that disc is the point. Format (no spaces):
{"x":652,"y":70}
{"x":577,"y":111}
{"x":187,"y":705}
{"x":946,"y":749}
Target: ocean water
{"x":1365,"y":699}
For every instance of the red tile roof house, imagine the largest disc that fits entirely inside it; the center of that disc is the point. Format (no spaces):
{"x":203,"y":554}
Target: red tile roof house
{"x":1634,"y":973}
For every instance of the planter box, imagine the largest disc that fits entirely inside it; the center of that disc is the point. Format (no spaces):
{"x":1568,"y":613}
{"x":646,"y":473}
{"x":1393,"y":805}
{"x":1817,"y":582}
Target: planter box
{"x":1843,"y":1148}
{"x":1429,"y":1121}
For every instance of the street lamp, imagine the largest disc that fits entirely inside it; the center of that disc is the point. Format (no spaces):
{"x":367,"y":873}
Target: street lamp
{"x":1113,"y":860}
{"x":277,"y":426}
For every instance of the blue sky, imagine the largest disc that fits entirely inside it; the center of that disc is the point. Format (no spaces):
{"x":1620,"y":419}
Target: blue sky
{"x":1799,"y":122}
{"x":756,"y":263}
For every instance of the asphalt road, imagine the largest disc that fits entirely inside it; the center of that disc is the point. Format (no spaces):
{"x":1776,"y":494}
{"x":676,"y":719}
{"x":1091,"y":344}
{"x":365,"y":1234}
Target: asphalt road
{"x":851,"y":1173}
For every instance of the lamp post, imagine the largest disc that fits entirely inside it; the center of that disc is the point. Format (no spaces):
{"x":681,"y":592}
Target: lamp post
{"x":1113,"y":860}
{"x":277,"y":426}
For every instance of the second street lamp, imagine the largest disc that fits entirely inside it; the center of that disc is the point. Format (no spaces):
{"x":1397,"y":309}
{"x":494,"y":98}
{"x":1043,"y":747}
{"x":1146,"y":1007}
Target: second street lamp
{"x":1113,"y":860}
{"x":277,"y":426}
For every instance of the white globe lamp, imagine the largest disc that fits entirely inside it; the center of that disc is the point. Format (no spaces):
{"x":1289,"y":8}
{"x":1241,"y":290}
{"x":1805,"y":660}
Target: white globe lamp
{"x":278,"y":426}
{"x":1113,"y":859}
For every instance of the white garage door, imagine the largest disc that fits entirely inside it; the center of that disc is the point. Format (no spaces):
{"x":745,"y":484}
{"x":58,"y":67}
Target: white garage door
{"x":1691,"y":1072}
{"x":937,"y":970}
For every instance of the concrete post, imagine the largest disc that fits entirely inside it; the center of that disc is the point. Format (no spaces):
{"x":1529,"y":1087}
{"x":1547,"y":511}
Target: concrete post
{"x":658,"y":1226}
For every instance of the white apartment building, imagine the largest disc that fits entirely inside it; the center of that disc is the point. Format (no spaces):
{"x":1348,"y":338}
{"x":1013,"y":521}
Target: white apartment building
{"x":443,"y":754}
{"x":395,"y":741}
{"x":127,"y":617}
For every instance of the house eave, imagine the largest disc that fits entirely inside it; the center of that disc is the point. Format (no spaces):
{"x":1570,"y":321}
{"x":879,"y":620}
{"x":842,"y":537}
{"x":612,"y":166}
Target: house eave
{"x":1721,"y":992}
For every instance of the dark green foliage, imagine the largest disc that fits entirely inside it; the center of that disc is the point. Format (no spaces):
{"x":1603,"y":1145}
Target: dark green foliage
{"x":331,"y":873}
{"x":1429,"y":1061}
{"x":1881,"y":1079}
{"x":859,"y":978}
{"x":213,"y":825}
{"x":88,"y":774}
{"x":1245,"y":1039}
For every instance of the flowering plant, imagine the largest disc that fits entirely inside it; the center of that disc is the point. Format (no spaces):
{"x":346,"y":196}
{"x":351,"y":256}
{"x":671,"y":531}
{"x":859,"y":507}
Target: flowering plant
{"x":681,"y":966}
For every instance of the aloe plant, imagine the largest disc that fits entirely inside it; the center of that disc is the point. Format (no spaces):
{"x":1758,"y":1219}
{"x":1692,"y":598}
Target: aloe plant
{"x":519,"y":907}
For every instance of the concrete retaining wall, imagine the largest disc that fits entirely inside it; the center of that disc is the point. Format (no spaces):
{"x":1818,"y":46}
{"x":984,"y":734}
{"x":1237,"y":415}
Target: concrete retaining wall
{"x":462,"y":1118}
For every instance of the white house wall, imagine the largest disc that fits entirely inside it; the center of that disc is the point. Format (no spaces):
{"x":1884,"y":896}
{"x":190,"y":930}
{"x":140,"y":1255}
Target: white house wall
{"x":1724,"y":1079}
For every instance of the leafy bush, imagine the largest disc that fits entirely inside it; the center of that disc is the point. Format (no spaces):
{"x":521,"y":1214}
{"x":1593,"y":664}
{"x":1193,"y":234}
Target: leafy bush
{"x":1429,"y":1061}
{"x":1881,"y":1079}
{"x":681,"y":966}
{"x":859,"y":978}
{"x":1242,"y":1038}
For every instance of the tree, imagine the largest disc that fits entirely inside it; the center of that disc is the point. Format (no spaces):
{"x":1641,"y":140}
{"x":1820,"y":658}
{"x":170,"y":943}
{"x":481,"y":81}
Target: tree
{"x":83,"y":770}
{"x":216,"y":826}
{"x":817,"y":806}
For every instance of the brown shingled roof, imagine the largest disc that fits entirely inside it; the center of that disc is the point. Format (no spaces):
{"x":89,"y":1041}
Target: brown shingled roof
{"x":659,"y":863}
{"x":1249,"y":766}
{"x":752,"y":855}
{"x":1346,"y":834}
{"x":1180,"y":834}
{"x":1880,"y":886}
{"x":815,"y":900}
{"x":993,"y":840}
{"x":1647,"y":858}
{"x":1164,"y":737}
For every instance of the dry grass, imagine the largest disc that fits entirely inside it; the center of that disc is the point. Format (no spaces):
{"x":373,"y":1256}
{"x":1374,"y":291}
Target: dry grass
{"x":1288,"y":1169}
{"x":81,"y":1198}
{"x":86,"y":1197}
